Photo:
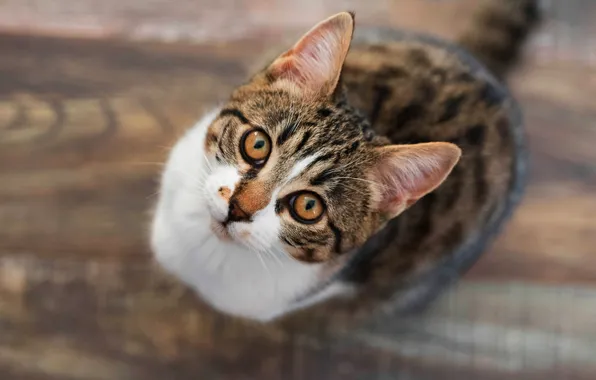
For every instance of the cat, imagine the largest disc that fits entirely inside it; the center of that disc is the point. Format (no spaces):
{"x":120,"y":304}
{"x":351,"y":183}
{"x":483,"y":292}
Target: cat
{"x":366,"y":167}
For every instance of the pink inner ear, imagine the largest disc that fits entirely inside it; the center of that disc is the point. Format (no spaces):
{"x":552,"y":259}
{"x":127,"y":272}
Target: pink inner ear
{"x":409,"y":172}
{"x":314,"y":63}
{"x":288,"y":69}
{"x":393,"y":194}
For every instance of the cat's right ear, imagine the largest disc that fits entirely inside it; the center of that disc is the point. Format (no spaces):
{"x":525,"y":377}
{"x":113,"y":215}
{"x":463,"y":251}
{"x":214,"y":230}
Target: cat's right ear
{"x":313,"y":65}
{"x":402,"y":174}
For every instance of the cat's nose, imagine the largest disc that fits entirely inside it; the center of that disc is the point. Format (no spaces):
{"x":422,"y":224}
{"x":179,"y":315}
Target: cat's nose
{"x":235,"y":212}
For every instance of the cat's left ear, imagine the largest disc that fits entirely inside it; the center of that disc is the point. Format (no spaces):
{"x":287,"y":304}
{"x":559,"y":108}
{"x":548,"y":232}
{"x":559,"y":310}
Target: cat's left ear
{"x":402,"y":174}
{"x":313,"y":65}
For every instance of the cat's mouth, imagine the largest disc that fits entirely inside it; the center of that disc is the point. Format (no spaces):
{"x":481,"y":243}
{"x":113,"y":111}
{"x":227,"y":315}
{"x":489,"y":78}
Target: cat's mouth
{"x":220,"y":230}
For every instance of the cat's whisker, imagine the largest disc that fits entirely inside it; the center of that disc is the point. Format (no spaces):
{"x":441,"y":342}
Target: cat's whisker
{"x":208,"y":163}
{"x":281,"y":256}
{"x":261,"y":241}
{"x":196,"y":189}
{"x":148,"y":163}
{"x":274,"y":256}
{"x":196,"y":181}
{"x":264,"y":265}
{"x":257,"y":253}
{"x":154,"y":194}
{"x":222,"y":262}
{"x":354,"y":189}
{"x":213,"y":255}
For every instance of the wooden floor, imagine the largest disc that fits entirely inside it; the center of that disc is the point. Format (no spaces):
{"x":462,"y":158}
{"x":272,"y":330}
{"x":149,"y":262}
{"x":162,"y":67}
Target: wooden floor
{"x":84,"y":127}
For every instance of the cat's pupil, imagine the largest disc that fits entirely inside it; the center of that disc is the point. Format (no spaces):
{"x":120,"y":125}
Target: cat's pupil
{"x":259,"y":144}
{"x":310,"y":204}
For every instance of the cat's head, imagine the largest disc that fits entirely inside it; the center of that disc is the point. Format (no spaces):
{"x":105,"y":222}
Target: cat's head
{"x":293,"y":167}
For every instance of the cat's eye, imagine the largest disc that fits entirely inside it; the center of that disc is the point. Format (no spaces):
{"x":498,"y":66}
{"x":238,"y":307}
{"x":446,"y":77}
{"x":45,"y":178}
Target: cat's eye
{"x":255,"y":147}
{"x":306,"y":207}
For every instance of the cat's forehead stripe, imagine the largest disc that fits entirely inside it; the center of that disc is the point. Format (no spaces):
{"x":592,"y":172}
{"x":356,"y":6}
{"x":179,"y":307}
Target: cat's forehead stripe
{"x":285,"y":134}
{"x":303,"y":141}
{"x":234,"y":112}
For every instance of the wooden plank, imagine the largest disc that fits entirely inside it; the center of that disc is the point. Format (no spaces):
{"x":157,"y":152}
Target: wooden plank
{"x":129,"y":322}
{"x":568,"y":33}
{"x":210,"y":20}
{"x":88,"y":145}
{"x":551,"y":237}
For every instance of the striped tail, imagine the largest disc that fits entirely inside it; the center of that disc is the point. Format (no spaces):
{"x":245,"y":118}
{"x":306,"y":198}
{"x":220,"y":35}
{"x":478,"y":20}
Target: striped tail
{"x":499,"y":31}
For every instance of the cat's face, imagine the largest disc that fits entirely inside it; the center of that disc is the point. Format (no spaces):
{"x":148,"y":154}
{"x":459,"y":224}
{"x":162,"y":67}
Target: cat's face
{"x":293,"y":167}
{"x":291,"y":173}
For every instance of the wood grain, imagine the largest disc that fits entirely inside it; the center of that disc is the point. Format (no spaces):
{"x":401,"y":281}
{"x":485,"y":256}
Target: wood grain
{"x":74,"y":319}
{"x":84,"y":128}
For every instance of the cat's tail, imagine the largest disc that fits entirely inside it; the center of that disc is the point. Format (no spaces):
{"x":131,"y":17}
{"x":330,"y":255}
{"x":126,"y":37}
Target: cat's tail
{"x":498,"y":32}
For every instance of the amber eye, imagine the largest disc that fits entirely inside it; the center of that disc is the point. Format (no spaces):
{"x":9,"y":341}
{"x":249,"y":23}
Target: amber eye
{"x":255,"y":147}
{"x":306,"y":207}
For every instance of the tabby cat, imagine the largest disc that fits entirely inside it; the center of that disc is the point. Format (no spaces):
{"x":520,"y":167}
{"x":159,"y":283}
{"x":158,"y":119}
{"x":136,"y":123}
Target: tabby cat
{"x":379,"y":171}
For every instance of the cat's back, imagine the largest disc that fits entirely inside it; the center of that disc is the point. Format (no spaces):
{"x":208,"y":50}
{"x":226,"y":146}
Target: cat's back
{"x":416,"y":89}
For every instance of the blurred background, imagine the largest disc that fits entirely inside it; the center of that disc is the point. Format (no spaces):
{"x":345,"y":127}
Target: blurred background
{"x":94,"y":92}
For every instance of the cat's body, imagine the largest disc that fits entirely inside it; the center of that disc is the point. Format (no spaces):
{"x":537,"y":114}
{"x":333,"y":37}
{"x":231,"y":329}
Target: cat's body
{"x":444,"y":94}
{"x":292,"y":192}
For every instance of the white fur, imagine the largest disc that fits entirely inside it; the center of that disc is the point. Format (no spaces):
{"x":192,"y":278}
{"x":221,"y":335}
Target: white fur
{"x":251,"y":276}
{"x":300,"y":166}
